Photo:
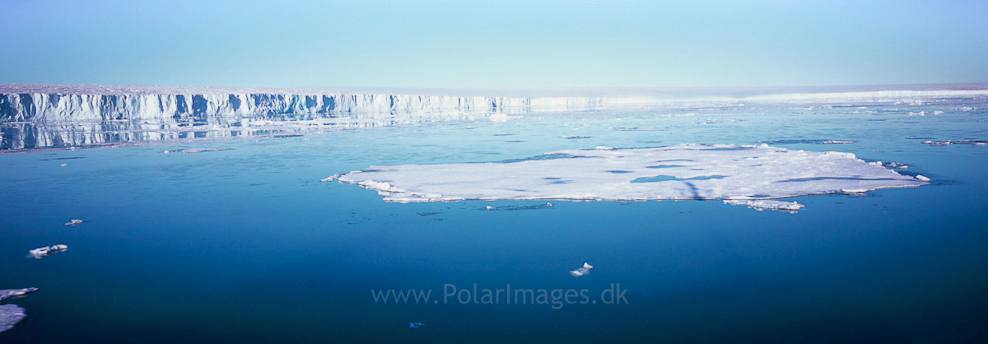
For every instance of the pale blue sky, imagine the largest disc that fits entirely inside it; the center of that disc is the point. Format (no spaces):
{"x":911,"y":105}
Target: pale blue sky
{"x":493,"y":44}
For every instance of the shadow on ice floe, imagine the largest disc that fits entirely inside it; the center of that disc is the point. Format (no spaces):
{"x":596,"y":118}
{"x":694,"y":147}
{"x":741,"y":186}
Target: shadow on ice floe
{"x":745,"y":175}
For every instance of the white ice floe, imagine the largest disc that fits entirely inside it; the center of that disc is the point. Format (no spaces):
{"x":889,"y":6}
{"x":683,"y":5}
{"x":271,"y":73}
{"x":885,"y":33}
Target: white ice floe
{"x":680,"y":172}
{"x":9,"y":293}
{"x":196,"y":150}
{"x":583,"y":271}
{"x":40,"y":252}
{"x":763,"y":204}
{"x":74,"y":222}
{"x":10,"y":315}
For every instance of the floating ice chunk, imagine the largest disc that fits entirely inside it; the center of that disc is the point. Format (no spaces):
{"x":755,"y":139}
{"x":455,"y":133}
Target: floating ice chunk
{"x":63,"y":165}
{"x":922,"y":177}
{"x":74,"y":222}
{"x":40,"y":252}
{"x":331,"y":178}
{"x":959,"y":142}
{"x":9,"y":293}
{"x":415,"y":325}
{"x":520,"y":207}
{"x":700,"y":172}
{"x":583,"y":271}
{"x":791,"y":207}
{"x":10,"y":315}
{"x":717,"y":121}
{"x":197,"y":150}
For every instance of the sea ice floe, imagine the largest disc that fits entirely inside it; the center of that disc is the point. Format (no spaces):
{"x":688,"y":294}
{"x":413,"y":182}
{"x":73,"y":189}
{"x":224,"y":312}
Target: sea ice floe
{"x":519,"y":207}
{"x":9,"y":293}
{"x":196,"y":150}
{"x":958,"y":142}
{"x":74,"y":222}
{"x":582,"y":271}
{"x":40,"y":252}
{"x":10,"y":315}
{"x":764,"y":204}
{"x":680,"y":172}
{"x":804,"y":141}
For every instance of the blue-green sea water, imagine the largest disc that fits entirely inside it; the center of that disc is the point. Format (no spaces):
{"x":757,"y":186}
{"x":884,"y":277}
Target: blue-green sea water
{"x":248,"y":246}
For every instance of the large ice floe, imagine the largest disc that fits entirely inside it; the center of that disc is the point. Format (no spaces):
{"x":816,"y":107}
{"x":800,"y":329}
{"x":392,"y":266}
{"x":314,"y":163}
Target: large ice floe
{"x":680,"y":172}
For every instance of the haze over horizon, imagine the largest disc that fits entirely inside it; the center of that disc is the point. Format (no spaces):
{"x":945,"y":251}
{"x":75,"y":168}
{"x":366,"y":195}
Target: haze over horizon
{"x":494,"y":45}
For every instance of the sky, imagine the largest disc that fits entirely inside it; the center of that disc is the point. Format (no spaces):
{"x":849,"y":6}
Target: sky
{"x":493,"y":44}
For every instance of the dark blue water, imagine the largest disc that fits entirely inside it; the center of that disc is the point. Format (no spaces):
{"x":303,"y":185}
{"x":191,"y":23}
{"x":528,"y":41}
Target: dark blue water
{"x":248,"y":246}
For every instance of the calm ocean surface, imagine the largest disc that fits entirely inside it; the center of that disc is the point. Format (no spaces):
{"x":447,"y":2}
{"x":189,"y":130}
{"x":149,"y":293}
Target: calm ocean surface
{"x":248,"y":246}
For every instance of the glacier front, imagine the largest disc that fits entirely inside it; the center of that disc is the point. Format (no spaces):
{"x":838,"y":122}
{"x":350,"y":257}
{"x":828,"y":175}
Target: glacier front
{"x":70,"y":116}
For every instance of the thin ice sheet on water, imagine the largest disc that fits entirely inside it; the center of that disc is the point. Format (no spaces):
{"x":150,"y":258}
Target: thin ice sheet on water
{"x":680,"y":172}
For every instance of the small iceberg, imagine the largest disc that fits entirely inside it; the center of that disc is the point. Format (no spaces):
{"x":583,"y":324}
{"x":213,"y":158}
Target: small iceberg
{"x":74,"y":222}
{"x":583,"y":271}
{"x":40,"y":252}
{"x":415,"y":325}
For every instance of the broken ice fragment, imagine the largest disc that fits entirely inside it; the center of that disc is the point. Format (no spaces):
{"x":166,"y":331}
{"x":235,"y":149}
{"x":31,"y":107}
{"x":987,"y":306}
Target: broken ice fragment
{"x":583,"y":271}
{"x":791,"y":207}
{"x":9,"y":293}
{"x":10,"y":315}
{"x":415,"y":325}
{"x":74,"y":222}
{"x":44,"y":251}
{"x":197,"y":150}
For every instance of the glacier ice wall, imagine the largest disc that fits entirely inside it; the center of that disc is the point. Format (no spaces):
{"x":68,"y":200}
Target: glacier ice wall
{"x":40,"y":115}
{"x":37,"y":116}
{"x":20,"y":107}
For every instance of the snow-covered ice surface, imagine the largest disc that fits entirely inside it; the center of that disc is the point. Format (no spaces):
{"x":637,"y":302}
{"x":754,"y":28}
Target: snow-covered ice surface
{"x":680,"y":172}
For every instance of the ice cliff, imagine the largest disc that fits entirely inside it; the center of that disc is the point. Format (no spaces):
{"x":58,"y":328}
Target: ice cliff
{"x":32,"y":103}
{"x":66,"y":116}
